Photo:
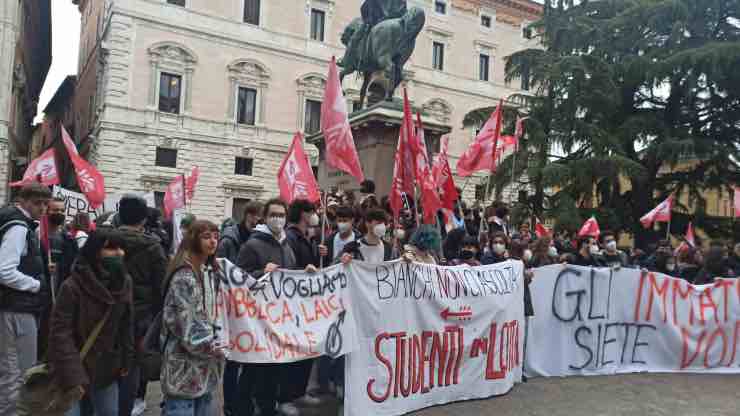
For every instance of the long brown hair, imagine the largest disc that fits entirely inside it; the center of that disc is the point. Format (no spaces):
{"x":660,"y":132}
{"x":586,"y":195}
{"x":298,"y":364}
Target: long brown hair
{"x":191,"y":245}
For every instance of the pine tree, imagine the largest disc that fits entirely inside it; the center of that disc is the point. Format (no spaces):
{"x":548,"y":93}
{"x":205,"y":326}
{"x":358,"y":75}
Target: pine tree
{"x":646,"y":91}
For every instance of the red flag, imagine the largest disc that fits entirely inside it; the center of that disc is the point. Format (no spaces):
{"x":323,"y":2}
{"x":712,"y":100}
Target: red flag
{"x":690,"y":238}
{"x":341,"y":153}
{"x":403,"y":169}
{"x":429,"y":196}
{"x":737,"y":202}
{"x":480,"y":154}
{"x":44,"y":168}
{"x":191,"y":182}
{"x":590,"y":229}
{"x":295,"y":176}
{"x":89,"y":179}
{"x":540,"y":230}
{"x":442,"y":175}
{"x":44,"y":234}
{"x":174,"y":196}
{"x":661,"y":213}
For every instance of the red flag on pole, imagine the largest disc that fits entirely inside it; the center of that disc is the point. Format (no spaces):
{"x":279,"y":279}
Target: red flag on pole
{"x":191,"y":182}
{"x":43,"y":167}
{"x":403,"y":169}
{"x":44,"y":234}
{"x":341,"y":153}
{"x":89,"y":179}
{"x":661,"y":213}
{"x":590,"y":228}
{"x":429,"y":196}
{"x":540,"y":230}
{"x":442,"y":175}
{"x":295,"y":176}
{"x":174,"y":196}
{"x":480,"y":155}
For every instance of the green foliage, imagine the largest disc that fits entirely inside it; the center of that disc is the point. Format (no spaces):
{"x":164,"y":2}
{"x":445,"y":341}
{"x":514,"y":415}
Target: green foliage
{"x":645,"y":92}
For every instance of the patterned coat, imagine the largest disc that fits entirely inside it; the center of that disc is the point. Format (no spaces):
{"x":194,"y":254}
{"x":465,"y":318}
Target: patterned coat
{"x":190,"y":368}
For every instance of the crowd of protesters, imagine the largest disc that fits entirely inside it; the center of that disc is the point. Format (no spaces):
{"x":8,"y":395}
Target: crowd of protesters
{"x":124,"y":276}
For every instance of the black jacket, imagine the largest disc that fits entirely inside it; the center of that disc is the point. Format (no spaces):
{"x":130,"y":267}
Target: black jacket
{"x":146,"y":263}
{"x":305,"y":252}
{"x":263,"y":248}
{"x":591,"y":260}
{"x":32,"y":264}
{"x":231,"y":242}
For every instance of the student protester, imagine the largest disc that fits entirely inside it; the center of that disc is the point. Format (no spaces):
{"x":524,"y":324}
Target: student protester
{"x":423,"y":246}
{"x":687,"y":264}
{"x":80,"y":228}
{"x":497,"y":252}
{"x":613,"y":257}
{"x":192,"y":360}
{"x":588,"y":253}
{"x":715,"y":265}
{"x":146,"y":263}
{"x":266,"y":251}
{"x":234,"y":236}
{"x":666,"y":263}
{"x":499,"y":220}
{"x":98,"y":290}
{"x":370,"y":248}
{"x":452,"y":245}
{"x":344,"y":235}
{"x":155,"y":228}
{"x":544,"y":253}
{"x":24,"y":290}
{"x":525,"y":233}
{"x":733,"y":262}
{"x":62,"y":247}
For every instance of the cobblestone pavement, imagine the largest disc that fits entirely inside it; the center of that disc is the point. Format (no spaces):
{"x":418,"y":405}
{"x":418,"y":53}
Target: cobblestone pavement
{"x":635,"y":394}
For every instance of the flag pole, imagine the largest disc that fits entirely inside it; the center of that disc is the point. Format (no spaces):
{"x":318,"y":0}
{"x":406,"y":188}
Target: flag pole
{"x":323,"y":224}
{"x":184,"y":193}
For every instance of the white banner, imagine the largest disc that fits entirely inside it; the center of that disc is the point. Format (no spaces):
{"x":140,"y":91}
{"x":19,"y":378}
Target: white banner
{"x":288,"y":315}
{"x":75,"y":202}
{"x":431,"y":335}
{"x":601,"y":321}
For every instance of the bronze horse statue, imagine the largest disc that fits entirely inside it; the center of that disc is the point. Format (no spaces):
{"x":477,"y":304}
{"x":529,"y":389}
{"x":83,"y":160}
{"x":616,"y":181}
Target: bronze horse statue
{"x":387,"y":47}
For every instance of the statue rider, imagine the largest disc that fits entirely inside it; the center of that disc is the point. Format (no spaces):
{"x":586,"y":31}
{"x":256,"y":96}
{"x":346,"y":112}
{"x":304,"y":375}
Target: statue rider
{"x":373,"y":12}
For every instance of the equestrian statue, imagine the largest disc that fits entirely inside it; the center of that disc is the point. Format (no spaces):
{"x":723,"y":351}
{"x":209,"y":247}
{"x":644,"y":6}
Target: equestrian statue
{"x":382,"y":40}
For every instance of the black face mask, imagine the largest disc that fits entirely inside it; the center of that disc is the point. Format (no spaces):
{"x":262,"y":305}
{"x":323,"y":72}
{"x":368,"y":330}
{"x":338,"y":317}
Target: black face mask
{"x":56,"y":219}
{"x":467,"y":254}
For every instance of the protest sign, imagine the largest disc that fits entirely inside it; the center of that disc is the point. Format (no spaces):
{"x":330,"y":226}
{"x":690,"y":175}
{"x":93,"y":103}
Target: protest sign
{"x":74,"y":203}
{"x":430,"y":335}
{"x":288,"y":315}
{"x":604,"y":321}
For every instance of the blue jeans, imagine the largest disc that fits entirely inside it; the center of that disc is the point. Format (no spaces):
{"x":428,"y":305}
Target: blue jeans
{"x":104,"y":402}
{"x":188,"y":407}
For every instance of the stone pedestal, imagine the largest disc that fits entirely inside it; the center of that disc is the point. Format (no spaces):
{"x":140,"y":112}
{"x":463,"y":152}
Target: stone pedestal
{"x":375,"y":131}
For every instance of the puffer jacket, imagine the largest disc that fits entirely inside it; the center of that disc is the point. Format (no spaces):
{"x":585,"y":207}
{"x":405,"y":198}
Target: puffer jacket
{"x":82,"y":302}
{"x":146,"y":263}
{"x":190,"y":368}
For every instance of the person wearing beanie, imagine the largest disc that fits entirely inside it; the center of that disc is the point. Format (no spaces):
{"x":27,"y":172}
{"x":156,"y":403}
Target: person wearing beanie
{"x":146,"y":262}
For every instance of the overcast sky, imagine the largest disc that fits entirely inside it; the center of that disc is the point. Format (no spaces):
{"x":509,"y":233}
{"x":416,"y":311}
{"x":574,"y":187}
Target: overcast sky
{"x":65,"y":24}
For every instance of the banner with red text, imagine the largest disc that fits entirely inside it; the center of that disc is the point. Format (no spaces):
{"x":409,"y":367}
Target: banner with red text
{"x":431,"y":335}
{"x":286,"y":316}
{"x":603,"y":321}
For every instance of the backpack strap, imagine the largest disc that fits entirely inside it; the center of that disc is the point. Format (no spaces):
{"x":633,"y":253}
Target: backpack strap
{"x":94,"y":335}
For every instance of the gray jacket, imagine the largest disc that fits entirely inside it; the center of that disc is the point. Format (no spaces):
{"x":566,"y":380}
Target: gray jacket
{"x":261,"y":249}
{"x":230,"y":244}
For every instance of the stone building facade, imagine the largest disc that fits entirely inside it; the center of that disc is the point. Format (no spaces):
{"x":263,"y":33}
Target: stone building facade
{"x":25,"y":58}
{"x":165,"y":85}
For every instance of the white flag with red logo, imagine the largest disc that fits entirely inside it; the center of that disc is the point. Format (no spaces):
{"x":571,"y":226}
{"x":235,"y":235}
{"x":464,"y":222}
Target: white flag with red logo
{"x":481,"y":155}
{"x":661,"y":213}
{"x":341,"y":153}
{"x":590,"y":228}
{"x":43,"y":169}
{"x":89,"y":179}
{"x":295,"y":176}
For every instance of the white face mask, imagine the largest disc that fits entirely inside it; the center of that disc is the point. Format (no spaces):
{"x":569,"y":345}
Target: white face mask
{"x":343,"y":227}
{"x":499,"y":249}
{"x":611,"y":246}
{"x":670,"y":267}
{"x":552,"y":251}
{"x":594,"y":249}
{"x":379,"y":230}
{"x":314,"y":220}
{"x":399,"y":233}
{"x":527,"y":256}
{"x":276,"y":224}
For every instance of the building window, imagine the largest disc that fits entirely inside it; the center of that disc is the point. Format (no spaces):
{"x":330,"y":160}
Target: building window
{"x":318,"y":17}
{"x":246,"y":112}
{"x":252,"y":12}
{"x":485,"y":21}
{"x":484,"y":67}
{"x":312,"y":121}
{"x":438,"y":56}
{"x":243,"y":166}
{"x":525,"y":79}
{"x":177,"y":2}
{"x":440,"y":6}
{"x":166,"y":158}
{"x":170,"y":89}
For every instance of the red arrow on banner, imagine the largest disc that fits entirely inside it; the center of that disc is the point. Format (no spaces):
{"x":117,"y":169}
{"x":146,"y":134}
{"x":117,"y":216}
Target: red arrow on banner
{"x":446,"y":314}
